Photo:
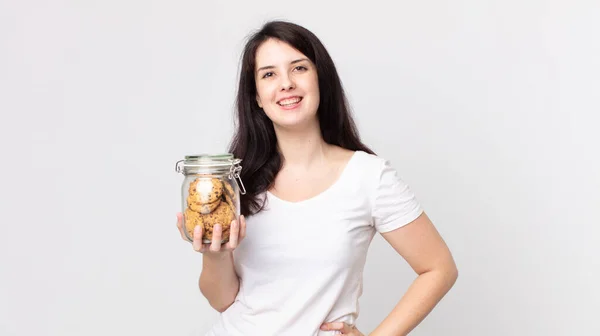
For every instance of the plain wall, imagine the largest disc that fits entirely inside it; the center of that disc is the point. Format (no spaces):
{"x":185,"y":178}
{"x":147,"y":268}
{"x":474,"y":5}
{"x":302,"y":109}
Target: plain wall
{"x":489,"y":110}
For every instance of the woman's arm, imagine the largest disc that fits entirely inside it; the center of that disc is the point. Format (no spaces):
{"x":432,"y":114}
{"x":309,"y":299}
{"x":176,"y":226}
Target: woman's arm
{"x":420,"y":244}
{"x":218,"y":281}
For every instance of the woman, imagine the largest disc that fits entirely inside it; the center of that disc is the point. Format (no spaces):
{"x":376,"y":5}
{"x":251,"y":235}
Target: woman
{"x":315,"y":197}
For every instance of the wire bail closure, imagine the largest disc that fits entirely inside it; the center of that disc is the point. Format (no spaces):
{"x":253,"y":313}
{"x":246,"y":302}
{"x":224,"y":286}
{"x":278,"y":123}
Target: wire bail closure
{"x":234,"y":173}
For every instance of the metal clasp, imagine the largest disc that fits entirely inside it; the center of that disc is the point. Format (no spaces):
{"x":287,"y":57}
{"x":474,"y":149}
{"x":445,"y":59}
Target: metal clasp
{"x":234,"y":173}
{"x":178,"y":166}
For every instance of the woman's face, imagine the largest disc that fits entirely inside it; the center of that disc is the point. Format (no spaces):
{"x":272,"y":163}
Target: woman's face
{"x":287,"y":85}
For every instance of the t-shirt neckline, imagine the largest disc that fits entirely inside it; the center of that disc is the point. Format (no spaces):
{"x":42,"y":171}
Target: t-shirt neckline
{"x":325,"y":192}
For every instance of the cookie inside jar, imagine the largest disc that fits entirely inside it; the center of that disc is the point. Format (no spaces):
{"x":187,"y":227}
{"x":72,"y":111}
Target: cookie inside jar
{"x":210,"y":201}
{"x":210,"y":193}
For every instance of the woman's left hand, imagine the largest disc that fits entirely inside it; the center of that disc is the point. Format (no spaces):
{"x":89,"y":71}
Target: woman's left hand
{"x":343,"y":328}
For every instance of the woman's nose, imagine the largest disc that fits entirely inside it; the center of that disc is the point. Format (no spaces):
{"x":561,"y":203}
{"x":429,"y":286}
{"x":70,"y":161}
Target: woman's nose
{"x":286,"y":83}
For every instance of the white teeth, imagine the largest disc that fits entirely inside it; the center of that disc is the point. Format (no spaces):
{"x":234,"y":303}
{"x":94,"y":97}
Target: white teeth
{"x":290,"y":101}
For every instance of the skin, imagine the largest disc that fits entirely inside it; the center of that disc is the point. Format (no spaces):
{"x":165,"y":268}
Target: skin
{"x":283,"y":71}
{"x":218,"y":281}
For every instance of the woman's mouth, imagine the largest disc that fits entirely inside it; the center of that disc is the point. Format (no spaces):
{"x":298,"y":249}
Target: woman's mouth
{"x":289,"y":103}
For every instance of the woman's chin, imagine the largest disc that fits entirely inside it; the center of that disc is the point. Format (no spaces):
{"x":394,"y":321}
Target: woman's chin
{"x":296,"y":123}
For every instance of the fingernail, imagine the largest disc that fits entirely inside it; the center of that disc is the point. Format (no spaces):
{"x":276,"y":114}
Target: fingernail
{"x":197,"y":230}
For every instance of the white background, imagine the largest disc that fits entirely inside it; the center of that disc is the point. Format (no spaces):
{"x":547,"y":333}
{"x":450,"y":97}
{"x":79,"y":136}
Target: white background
{"x":489,"y":109}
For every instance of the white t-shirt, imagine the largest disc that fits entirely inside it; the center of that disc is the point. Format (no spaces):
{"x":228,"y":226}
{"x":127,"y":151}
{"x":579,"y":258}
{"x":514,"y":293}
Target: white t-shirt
{"x":301,"y":263}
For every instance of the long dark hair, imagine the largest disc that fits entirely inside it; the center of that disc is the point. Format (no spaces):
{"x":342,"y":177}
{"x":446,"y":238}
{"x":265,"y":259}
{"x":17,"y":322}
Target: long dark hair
{"x":254,"y":140}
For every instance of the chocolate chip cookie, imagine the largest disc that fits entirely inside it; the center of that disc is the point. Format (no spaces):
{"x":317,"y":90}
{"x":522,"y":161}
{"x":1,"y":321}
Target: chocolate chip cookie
{"x":222,"y":215}
{"x":206,"y":190}
{"x":191,"y":219}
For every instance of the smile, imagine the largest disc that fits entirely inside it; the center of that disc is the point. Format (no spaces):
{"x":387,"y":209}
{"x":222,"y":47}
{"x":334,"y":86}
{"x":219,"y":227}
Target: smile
{"x":288,"y":102}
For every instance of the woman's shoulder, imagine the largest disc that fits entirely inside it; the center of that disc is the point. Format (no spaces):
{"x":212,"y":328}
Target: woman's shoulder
{"x":346,"y":155}
{"x":367,"y":162}
{"x":360,"y":166}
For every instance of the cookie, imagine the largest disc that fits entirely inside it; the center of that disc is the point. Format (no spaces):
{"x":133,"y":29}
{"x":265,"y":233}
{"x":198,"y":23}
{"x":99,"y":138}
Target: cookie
{"x":203,"y":208}
{"x":229,"y":195}
{"x":206,"y":190}
{"x":223,"y":215}
{"x":229,"y":200}
{"x":191,"y":219}
{"x":229,"y":189}
{"x":208,"y":235}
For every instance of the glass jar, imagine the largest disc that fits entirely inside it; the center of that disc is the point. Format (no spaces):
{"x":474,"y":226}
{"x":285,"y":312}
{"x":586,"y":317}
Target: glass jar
{"x":210,"y":193}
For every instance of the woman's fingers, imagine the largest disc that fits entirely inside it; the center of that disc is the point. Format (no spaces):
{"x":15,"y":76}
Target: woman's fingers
{"x":234,"y":231}
{"x":215,"y":245}
{"x":197,"y":241}
{"x":180,"y":226}
{"x":342,"y":327}
{"x":237,"y":232}
{"x":242,"y":223}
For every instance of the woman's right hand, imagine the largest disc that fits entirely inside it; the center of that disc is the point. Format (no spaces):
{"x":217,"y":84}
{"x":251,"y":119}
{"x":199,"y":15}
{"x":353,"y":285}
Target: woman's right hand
{"x":237,"y":232}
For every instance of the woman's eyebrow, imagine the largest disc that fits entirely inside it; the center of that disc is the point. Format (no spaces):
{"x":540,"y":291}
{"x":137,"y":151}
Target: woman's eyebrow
{"x":273,"y":67}
{"x":299,"y":60}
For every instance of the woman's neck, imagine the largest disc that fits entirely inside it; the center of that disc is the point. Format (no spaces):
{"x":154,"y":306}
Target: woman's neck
{"x":302,"y":149}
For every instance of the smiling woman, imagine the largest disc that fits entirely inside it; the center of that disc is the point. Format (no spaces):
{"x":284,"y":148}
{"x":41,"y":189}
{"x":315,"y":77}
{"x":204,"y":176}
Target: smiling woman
{"x":288,"y":87}
{"x":315,"y":197}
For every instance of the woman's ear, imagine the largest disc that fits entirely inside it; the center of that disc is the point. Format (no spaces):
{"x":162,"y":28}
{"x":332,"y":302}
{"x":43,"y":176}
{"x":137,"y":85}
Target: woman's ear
{"x":258,"y":101}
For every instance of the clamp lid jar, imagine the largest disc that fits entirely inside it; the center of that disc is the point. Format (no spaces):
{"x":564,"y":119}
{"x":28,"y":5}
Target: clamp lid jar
{"x":210,"y":193}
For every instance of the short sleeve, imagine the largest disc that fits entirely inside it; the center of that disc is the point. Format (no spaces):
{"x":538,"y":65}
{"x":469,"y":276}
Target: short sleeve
{"x":393,"y":202}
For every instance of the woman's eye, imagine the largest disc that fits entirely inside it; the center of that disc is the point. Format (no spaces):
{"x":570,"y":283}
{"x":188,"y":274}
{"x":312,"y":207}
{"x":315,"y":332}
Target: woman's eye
{"x":300,"y":68}
{"x":268,"y":74}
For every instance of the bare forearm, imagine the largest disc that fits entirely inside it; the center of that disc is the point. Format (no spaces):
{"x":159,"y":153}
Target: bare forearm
{"x":419,"y":300}
{"x":218,"y":281}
